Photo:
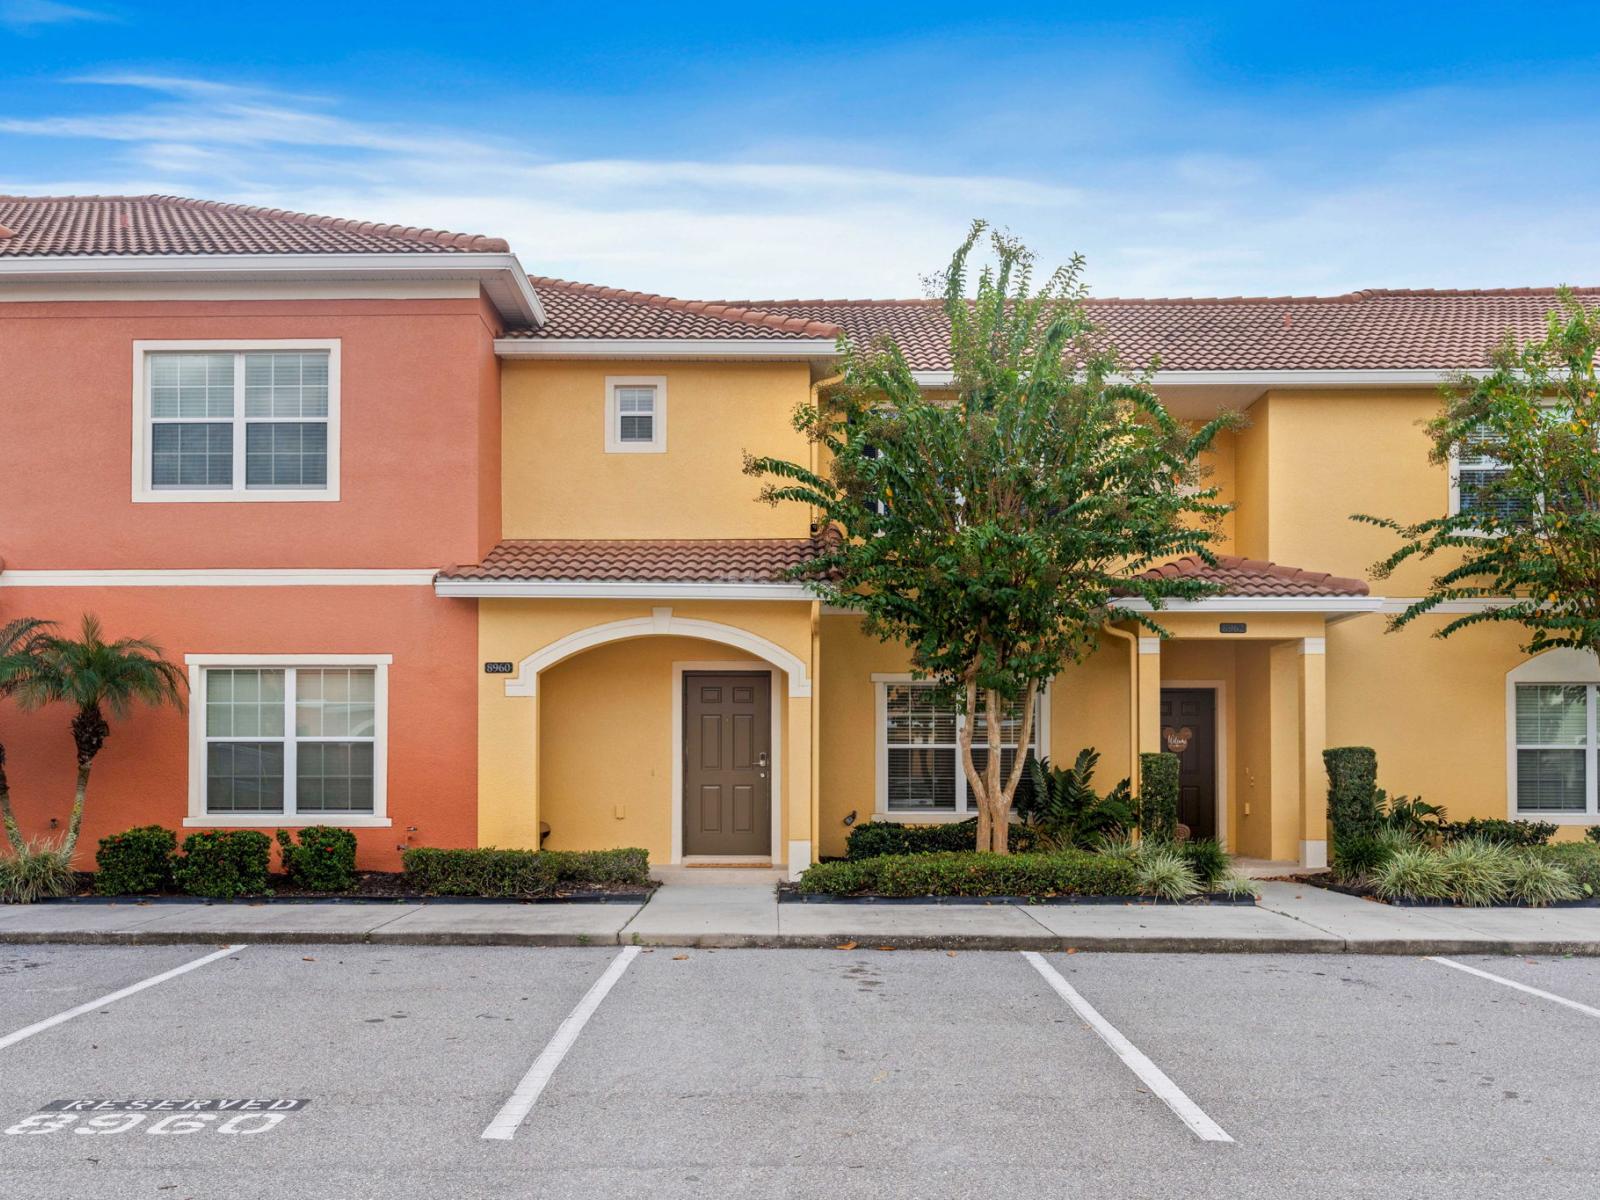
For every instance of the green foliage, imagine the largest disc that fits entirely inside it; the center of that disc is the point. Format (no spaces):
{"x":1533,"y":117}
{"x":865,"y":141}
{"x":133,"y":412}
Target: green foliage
{"x":1207,"y":859}
{"x":323,"y":860}
{"x":223,"y":863}
{"x":1531,"y":532}
{"x":964,"y":873}
{"x":1477,"y":872}
{"x":36,"y":870}
{"x":1163,"y":872}
{"x":1411,"y":815}
{"x":1233,"y":884}
{"x":1357,"y":859}
{"x":1581,"y":860}
{"x":1415,"y":873}
{"x":480,"y":871}
{"x":1352,"y":791}
{"x":873,"y":839}
{"x":136,"y":862}
{"x":1158,"y":797}
{"x":1536,"y":880}
{"x":1066,"y":810}
{"x":21,"y":641}
{"x":1592,"y":833}
{"x":600,"y":868}
{"x":1497,"y":829}
{"x":990,"y":531}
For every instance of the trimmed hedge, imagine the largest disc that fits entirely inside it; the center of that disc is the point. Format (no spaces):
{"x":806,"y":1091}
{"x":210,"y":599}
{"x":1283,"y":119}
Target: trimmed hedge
{"x":224,"y":863}
{"x":1064,"y":873}
{"x":1582,"y":861}
{"x":877,"y":838}
{"x":1498,"y":829}
{"x":1158,"y":797}
{"x":1352,"y":792}
{"x":323,"y":861}
{"x":487,"y":871}
{"x":135,"y":862}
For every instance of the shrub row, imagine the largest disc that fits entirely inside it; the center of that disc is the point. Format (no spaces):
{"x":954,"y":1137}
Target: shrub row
{"x":1476,"y":872}
{"x":1158,"y":796}
{"x":222,"y":864}
{"x":968,"y":873}
{"x":1498,"y":829}
{"x":874,"y":839}
{"x":487,"y":871}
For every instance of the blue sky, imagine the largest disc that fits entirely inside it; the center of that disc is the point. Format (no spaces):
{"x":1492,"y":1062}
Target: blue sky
{"x":754,"y":151}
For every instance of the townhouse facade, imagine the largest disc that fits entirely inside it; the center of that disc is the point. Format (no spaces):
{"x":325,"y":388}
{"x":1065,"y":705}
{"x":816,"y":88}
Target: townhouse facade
{"x":457,"y":555}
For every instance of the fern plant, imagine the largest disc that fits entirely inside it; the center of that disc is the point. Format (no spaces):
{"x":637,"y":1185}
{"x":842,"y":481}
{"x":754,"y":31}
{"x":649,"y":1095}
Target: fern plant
{"x":1066,"y":810}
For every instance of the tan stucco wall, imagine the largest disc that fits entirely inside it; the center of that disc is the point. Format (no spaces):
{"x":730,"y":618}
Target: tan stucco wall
{"x":560,"y":483}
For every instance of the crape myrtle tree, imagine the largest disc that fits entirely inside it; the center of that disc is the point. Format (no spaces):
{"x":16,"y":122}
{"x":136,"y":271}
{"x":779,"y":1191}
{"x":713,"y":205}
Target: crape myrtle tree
{"x":989,"y":526}
{"x":1527,"y":533}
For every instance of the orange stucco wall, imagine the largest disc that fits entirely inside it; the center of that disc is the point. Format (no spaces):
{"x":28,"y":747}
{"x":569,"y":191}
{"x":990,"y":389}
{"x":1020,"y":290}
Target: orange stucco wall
{"x":419,"y":429}
{"x":142,"y":775}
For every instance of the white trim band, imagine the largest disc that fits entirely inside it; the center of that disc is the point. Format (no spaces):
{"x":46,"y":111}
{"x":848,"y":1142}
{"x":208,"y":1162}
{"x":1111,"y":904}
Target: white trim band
{"x":560,"y":589}
{"x":1260,"y":604}
{"x":768,"y":349}
{"x":223,"y":577}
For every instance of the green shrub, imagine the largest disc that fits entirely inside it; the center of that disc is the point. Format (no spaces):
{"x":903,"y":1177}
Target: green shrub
{"x":1207,"y":859}
{"x":967,"y":873}
{"x":1536,"y":880}
{"x":1581,"y":860}
{"x":873,"y":839}
{"x":136,"y":862}
{"x":1411,"y":815}
{"x":1498,"y":829}
{"x":323,"y":861}
{"x":483,"y":871}
{"x":1415,"y":873}
{"x":1476,"y":871}
{"x":1592,"y":833}
{"x":1352,"y":791}
{"x":1158,"y":796}
{"x":1233,"y":884}
{"x":601,"y":867}
{"x":1356,"y":858}
{"x":1066,"y":810}
{"x":1162,"y":871}
{"x":223,"y":863}
{"x":37,"y":870}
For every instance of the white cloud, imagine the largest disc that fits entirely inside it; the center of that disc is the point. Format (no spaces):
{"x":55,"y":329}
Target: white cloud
{"x":29,"y":14}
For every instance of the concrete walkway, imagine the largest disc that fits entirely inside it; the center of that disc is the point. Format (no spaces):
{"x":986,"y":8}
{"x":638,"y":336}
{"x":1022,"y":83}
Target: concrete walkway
{"x":732,"y":908}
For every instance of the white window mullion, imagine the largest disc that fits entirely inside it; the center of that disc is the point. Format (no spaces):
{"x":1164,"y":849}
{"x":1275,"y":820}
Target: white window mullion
{"x":291,"y":766}
{"x":238,"y":423}
{"x":1589,"y":755}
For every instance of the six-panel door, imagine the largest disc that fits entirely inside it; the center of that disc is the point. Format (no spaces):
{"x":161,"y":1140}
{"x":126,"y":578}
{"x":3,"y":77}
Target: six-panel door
{"x":727,"y":764}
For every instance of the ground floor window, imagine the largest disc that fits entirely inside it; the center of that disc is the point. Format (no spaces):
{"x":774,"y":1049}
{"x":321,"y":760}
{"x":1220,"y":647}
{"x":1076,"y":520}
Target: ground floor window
{"x":919,"y":756}
{"x":288,"y":739}
{"x":1552,"y":705}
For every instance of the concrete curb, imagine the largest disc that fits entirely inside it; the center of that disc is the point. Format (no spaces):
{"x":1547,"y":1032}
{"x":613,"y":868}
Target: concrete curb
{"x":1155,"y":944}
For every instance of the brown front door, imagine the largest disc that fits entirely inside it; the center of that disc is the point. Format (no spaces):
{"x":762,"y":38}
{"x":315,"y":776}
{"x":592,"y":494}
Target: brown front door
{"x":1189,"y":730}
{"x":727,"y":764}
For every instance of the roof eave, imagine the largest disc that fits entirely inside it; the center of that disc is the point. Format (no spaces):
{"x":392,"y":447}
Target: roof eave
{"x":1258,"y":604}
{"x":760,"y":349}
{"x":500,"y":274}
{"x":1270,"y":378}
{"x":630,"y":589}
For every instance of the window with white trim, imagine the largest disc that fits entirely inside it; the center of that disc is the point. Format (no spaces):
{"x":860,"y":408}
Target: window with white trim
{"x":1477,"y":467}
{"x":920,"y":757}
{"x":250,"y":423}
{"x":1552,"y":747}
{"x":636,"y":414}
{"x":282,"y":740}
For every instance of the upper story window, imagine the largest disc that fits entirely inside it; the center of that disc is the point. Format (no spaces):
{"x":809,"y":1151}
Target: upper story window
{"x":218,"y":421}
{"x":1476,"y":468}
{"x":636,"y":414}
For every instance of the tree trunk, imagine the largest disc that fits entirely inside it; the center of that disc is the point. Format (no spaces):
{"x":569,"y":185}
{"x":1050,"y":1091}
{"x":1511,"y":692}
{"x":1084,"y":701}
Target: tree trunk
{"x":999,"y":831}
{"x":1002,"y":804}
{"x":974,"y":782}
{"x":7,"y":817}
{"x":89,"y":733}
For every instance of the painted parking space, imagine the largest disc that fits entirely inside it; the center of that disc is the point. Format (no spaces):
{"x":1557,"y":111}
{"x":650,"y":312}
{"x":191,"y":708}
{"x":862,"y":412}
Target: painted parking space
{"x":38,"y":982}
{"x":1576,"y":979}
{"x":1317,"y":1063}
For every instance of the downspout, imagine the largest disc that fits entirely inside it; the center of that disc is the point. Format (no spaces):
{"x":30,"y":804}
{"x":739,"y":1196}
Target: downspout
{"x":1133,"y":703}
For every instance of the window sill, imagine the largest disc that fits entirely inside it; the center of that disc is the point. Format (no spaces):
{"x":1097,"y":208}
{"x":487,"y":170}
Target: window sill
{"x":285,"y":821}
{"x":924,"y":818}
{"x":259,"y":496}
{"x":1558,"y":818}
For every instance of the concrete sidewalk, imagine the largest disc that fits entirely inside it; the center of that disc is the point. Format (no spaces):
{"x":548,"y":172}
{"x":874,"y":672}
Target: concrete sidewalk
{"x":731,"y":908}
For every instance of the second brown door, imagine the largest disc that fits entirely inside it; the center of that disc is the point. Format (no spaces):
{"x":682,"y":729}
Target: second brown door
{"x":727,"y":764}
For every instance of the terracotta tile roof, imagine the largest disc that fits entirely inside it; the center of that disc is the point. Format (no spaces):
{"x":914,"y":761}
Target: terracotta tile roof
{"x":1374,"y":329}
{"x":1256,"y":577}
{"x":43,"y":226}
{"x":754,"y":560}
{"x":584,"y":310}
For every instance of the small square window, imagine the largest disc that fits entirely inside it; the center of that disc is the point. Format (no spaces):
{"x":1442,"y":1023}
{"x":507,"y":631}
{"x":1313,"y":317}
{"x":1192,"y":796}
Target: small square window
{"x":636,"y":415}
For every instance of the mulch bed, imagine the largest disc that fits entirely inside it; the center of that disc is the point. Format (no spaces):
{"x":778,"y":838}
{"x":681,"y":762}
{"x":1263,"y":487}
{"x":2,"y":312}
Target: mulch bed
{"x":372,"y":887}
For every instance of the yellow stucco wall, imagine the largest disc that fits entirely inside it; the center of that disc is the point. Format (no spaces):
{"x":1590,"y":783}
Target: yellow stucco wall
{"x":560,"y":483}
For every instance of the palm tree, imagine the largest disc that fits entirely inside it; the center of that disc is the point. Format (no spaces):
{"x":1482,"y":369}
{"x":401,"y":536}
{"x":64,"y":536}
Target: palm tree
{"x":95,"y":675}
{"x":19,"y":654}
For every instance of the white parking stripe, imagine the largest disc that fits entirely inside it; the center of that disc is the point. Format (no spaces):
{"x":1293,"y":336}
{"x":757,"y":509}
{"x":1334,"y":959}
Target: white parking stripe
{"x":1153,"y":1076}
{"x":11,"y":1039}
{"x":1521,"y":987}
{"x":510,"y":1117}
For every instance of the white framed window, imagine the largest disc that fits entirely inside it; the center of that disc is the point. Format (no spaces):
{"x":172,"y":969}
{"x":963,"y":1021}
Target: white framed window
{"x":918,"y":749}
{"x":1552,"y":706}
{"x":288,"y":740}
{"x":235,"y":421}
{"x":636,"y":414}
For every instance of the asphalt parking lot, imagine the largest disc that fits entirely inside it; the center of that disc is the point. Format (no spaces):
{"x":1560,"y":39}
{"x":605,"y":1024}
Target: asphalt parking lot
{"x":353,"y":1071}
